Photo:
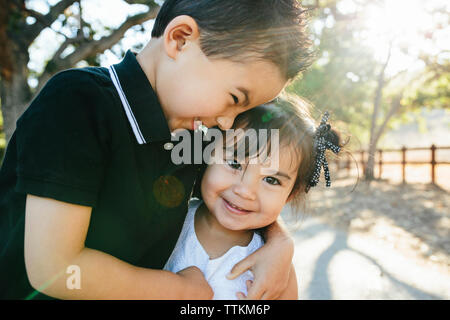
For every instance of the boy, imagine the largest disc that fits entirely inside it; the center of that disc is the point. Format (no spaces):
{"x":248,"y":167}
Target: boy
{"x":90,"y":203}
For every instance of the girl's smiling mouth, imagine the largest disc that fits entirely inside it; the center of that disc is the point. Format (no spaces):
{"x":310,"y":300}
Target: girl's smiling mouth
{"x":234,"y":209}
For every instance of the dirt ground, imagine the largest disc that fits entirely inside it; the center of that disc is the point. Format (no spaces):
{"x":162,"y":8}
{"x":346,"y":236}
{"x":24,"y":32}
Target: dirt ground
{"x":412,"y":218}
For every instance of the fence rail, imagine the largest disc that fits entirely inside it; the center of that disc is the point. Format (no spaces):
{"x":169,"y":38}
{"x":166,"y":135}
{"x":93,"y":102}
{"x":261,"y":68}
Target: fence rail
{"x":380,"y":163}
{"x":346,"y":163}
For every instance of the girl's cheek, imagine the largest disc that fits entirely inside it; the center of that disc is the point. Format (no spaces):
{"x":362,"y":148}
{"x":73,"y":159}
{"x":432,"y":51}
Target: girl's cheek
{"x":224,"y":173}
{"x":273,"y":206}
{"x":216,"y":180}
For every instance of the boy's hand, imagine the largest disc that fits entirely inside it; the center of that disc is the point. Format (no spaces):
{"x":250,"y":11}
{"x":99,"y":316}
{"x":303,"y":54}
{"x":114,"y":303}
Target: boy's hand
{"x":270,"y":266}
{"x":195,"y":285}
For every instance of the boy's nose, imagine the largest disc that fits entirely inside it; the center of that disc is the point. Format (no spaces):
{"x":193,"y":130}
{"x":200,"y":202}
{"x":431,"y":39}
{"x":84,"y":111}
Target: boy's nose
{"x":225,"y":123}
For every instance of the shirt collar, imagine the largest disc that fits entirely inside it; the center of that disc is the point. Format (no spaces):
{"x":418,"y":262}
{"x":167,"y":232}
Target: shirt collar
{"x":139,"y":100}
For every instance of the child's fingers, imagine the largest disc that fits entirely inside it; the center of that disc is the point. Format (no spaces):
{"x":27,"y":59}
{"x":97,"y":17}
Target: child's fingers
{"x":249,"y":284}
{"x":255,"y":292}
{"x":240,"y":267}
{"x":241,"y":296}
{"x":265,"y":296}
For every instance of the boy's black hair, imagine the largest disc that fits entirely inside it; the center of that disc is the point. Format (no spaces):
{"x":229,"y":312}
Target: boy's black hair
{"x":239,"y":30}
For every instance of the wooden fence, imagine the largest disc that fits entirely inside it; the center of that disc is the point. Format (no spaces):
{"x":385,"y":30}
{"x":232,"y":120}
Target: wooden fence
{"x":347,"y":163}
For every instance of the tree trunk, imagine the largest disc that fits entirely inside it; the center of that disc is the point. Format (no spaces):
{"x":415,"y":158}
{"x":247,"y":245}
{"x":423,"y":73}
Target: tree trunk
{"x":373,"y":140}
{"x":368,"y":173}
{"x":15,"y":93}
{"x":14,"y":90}
{"x":393,"y":109}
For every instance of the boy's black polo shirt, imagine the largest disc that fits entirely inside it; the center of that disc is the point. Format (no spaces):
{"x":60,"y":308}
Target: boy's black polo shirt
{"x":81,"y":142}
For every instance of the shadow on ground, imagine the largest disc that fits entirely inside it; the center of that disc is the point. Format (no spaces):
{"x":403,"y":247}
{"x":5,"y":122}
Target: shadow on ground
{"x":417,"y":214}
{"x":320,"y":283}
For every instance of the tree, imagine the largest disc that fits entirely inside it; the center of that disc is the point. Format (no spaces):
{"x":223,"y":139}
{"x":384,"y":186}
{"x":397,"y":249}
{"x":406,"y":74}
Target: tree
{"x":341,"y":80}
{"x":355,"y":85}
{"x":20,"y":26}
{"x":408,"y":81}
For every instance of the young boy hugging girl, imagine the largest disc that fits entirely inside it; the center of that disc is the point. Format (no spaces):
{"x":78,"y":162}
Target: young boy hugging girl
{"x":87,"y":179}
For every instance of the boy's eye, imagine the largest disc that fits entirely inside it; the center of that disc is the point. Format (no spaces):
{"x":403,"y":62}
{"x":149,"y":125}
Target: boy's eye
{"x":272,"y":181}
{"x":235,"y":99}
{"x":234,"y":164}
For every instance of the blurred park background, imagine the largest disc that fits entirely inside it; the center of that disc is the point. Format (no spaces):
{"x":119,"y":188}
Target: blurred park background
{"x":383,"y":72}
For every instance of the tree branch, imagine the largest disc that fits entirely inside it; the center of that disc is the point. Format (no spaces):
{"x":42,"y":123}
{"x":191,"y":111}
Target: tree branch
{"x":395,"y":106}
{"x":81,"y":22}
{"x":37,"y":15}
{"x":45,"y":21}
{"x":88,"y":48}
{"x":377,"y":99}
{"x":150,"y":3}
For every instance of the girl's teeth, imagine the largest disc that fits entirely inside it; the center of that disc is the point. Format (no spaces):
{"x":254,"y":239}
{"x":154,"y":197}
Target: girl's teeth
{"x":236,"y":207}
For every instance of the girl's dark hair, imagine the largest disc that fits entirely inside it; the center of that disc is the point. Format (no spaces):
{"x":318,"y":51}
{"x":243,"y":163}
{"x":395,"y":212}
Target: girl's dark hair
{"x":291,"y":116}
{"x":240,"y":30}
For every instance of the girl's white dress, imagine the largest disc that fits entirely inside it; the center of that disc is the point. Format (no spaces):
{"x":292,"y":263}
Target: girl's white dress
{"x":189,"y":252}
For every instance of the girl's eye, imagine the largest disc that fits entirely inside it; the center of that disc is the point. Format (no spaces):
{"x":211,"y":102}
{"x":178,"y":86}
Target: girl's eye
{"x":235,"y":99}
{"x":272,"y":181}
{"x":234,"y":164}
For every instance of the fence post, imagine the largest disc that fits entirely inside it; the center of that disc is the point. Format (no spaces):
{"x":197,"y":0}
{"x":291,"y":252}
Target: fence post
{"x":380,"y":164}
{"x":404,"y":164}
{"x":433,"y":164}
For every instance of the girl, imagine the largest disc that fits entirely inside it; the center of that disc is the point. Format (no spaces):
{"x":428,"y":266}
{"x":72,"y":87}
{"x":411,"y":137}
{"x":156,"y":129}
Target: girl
{"x":238,"y":197}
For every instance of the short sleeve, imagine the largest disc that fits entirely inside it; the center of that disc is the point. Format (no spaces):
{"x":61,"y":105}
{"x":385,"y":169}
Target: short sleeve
{"x":61,"y":142}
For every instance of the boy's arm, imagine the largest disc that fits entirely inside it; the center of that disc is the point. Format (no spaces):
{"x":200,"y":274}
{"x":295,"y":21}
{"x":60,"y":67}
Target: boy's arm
{"x":55,"y":233}
{"x":270,"y":264}
{"x":291,"y":291}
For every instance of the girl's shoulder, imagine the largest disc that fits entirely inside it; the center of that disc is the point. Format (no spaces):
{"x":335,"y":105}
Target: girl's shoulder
{"x":193,"y":205}
{"x":194,"y":202}
{"x":256,"y":242}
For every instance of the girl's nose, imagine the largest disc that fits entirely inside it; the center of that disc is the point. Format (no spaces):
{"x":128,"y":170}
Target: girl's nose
{"x":244,"y":192}
{"x":246,"y":187}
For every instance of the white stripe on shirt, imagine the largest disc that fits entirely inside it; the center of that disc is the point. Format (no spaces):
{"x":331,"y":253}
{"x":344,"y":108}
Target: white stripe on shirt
{"x":134,"y":125}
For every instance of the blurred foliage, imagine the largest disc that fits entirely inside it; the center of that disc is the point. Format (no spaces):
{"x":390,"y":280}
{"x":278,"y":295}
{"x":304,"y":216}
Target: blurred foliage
{"x":330,"y":84}
{"x":432,"y":92}
{"x":344,"y":77}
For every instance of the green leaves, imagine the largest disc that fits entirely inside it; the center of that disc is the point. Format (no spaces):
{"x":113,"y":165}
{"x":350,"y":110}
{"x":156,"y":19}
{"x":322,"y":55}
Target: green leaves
{"x":344,"y":77}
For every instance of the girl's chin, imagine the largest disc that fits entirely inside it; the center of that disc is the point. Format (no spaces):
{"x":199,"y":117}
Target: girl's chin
{"x":232,"y":226}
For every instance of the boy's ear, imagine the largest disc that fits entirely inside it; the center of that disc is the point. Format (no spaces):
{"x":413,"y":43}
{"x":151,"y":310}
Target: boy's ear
{"x":180,"y":30}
